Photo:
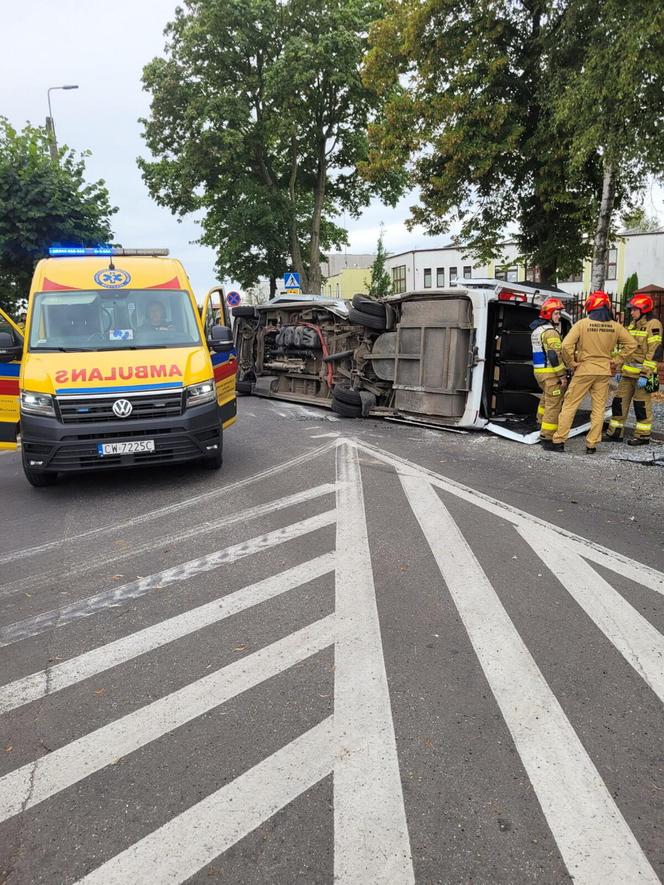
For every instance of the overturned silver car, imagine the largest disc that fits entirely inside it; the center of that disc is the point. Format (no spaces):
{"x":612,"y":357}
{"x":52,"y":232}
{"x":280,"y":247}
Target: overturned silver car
{"x":453,"y":358}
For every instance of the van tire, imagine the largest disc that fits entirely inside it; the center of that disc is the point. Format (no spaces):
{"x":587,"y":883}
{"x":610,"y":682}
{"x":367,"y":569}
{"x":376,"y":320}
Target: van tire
{"x":38,"y":478}
{"x":368,"y":305}
{"x":368,"y":320}
{"x":243,"y":311}
{"x":346,"y":410}
{"x":244,"y":388}
{"x":347,"y":395}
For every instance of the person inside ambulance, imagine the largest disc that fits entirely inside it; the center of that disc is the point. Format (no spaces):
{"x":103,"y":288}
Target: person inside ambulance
{"x":588,"y":349}
{"x":639,"y":377}
{"x":155,"y":319}
{"x":548,"y":367}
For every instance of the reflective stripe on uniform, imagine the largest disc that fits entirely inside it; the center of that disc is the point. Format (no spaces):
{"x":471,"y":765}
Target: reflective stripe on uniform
{"x":556,"y":392}
{"x":616,"y":422}
{"x":631,"y":370}
{"x":547,"y":371}
{"x":546,"y":426}
{"x":649,"y":364}
{"x":640,"y":425}
{"x":540,"y":410}
{"x":637,"y":333}
{"x":655,"y":339}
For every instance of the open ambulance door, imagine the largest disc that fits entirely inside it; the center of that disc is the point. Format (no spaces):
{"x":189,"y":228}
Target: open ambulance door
{"x":217,"y":325}
{"x":11,"y":352}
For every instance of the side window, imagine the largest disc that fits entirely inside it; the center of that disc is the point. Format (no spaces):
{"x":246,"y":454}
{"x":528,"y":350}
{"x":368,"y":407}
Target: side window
{"x":440,"y":277}
{"x":427,"y":277}
{"x":453,"y":276}
{"x":399,"y":279}
{"x":5,"y":327}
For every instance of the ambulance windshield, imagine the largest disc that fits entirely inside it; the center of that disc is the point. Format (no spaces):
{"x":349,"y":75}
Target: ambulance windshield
{"x":126,"y":320}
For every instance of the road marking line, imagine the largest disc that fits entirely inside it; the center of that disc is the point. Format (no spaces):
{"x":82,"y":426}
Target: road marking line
{"x":634,"y":636}
{"x":32,"y":581}
{"x":84,"y":608}
{"x":325,"y":435}
{"x":222,"y":491}
{"x":36,"y":781}
{"x":623,"y":565}
{"x":371,"y":842}
{"x":183,"y":846}
{"x":594,"y":839}
{"x":53,"y":679}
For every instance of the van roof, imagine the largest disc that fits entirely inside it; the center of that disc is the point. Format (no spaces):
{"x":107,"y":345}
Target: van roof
{"x":101,"y":272}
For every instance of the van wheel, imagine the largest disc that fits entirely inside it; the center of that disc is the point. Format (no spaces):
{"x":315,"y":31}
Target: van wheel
{"x":244,"y":388}
{"x":368,"y":320}
{"x":346,"y":410}
{"x":243,"y":310}
{"x":347,"y":395}
{"x":38,"y":478}
{"x":368,"y":305}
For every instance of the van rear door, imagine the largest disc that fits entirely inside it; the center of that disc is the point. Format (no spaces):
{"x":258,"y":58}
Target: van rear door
{"x":215,"y":312}
{"x":433,"y":358}
{"x":11,"y":351}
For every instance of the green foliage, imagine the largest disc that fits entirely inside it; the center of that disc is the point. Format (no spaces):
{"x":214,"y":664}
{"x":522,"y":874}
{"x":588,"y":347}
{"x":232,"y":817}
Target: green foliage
{"x":637,"y":219}
{"x":380,"y":285}
{"x":41,"y":203}
{"x":468,"y":111}
{"x":258,"y":121}
{"x":631,"y":286}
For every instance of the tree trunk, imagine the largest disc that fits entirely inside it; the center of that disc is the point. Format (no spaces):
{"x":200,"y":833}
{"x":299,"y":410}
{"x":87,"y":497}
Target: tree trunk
{"x":601,"y":247}
{"x":315,"y":276}
{"x":295,"y":251}
{"x":273,"y":286}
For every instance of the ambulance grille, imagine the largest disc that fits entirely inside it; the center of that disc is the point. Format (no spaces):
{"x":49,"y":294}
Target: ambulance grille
{"x":89,"y":410}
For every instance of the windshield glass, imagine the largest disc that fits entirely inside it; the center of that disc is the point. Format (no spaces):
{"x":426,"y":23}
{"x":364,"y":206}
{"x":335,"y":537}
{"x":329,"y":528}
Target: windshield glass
{"x":131,"y":319}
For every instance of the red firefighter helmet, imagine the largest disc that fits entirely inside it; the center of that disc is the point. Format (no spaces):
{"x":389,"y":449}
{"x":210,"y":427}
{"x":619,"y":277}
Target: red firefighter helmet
{"x":548,"y":307}
{"x":642,"y":302}
{"x":596,"y":300}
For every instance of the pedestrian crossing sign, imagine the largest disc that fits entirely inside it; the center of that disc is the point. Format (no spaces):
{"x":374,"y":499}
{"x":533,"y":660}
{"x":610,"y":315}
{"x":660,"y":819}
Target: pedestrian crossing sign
{"x":292,"y":280}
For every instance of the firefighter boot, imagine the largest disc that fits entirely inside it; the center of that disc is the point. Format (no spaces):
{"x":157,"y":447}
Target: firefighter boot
{"x":639,"y":441}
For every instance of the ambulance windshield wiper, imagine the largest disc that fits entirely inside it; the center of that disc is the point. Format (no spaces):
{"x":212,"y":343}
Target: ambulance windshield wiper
{"x":66,"y":349}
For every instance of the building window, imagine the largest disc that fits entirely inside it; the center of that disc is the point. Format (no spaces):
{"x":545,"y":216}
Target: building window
{"x":453,"y":276}
{"x":427,"y":277}
{"x":399,"y":279}
{"x":533,"y":274}
{"x":467,"y":272}
{"x":574,"y":278}
{"x":440,"y":277}
{"x":512,"y":275}
{"x":500,"y":273}
{"x":611,"y":263}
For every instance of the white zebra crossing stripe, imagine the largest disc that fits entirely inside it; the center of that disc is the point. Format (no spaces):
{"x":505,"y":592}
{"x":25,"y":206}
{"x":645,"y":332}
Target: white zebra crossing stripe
{"x":371,"y":842}
{"x":33,"y":783}
{"x":181,"y":847}
{"x":102,"y":558}
{"x":68,"y":673}
{"x":593,"y":837}
{"x":636,"y":639}
{"x":84,"y":608}
{"x":622,"y":565}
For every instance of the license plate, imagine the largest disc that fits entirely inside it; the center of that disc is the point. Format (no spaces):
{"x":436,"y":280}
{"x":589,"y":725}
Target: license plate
{"x":125,"y":448}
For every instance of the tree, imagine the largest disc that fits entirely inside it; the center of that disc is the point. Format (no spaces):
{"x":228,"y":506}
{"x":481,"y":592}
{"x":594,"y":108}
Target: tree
{"x":638,"y":220}
{"x":43,"y":202}
{"x":258,"y":119}
{"x":380,"y":285}
{"x":468,"y":110}
{"x":631,"y":286}
{"x":611,"y":102}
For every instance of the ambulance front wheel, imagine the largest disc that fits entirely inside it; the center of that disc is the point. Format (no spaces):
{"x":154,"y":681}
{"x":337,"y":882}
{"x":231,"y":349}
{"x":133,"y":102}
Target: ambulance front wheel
{"x":37,"y":478}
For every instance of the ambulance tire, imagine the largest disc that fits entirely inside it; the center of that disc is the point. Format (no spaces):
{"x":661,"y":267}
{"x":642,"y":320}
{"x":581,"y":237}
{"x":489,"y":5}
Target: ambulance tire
{"x":368,"y":320}
{"x":347,"y":395}
{"x":346,"y":410}
{"x":243,"y":311}
{"x":38,"y":478}
{"x":368,"y":305}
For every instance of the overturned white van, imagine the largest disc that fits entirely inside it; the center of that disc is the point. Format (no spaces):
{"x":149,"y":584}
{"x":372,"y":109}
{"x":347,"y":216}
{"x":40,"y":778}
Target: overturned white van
{"x":451,"y":358}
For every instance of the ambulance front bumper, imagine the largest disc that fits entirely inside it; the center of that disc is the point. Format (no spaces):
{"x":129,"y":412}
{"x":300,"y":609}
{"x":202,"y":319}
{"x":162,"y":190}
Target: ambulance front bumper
{"x":52,"y":446}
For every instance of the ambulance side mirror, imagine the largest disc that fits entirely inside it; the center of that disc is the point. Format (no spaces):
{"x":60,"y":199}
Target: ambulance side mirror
{"x":9,"y":350}
{"x":221,"y":339}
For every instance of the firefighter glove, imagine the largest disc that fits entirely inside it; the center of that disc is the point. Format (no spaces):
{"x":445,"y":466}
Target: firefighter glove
{"x":642,"y":382}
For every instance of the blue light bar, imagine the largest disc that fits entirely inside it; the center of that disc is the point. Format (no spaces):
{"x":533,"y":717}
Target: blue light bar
{"x":69,"y":251}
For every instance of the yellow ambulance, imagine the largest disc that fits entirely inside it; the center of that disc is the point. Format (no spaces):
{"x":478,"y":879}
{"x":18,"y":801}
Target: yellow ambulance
{"x":117,"y":367}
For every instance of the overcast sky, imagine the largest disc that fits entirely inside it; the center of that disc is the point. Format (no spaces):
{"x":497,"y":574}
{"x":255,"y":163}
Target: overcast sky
{"x":103,"y":46}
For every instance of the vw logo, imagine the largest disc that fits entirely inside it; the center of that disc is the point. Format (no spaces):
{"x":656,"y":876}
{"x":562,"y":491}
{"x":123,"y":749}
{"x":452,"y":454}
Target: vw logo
{"x":122,"y":408}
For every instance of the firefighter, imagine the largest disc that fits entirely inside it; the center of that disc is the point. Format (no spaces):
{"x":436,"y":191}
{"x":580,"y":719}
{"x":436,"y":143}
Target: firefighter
{"x":587,"y":349}
{"x":548,"y":367}
{"x":639,"y":374}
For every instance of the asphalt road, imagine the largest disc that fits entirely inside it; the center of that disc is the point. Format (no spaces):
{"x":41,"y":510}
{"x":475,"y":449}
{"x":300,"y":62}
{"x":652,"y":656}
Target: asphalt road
{"x":362,"y":652}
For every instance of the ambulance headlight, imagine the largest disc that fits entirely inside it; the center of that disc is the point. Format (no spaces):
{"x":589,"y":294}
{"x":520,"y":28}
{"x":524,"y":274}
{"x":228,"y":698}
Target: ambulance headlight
{"x":197,"y":394}
{"x":37,"y":403}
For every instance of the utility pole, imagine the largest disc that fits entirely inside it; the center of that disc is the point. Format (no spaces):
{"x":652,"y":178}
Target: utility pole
{"x":50,"y":123}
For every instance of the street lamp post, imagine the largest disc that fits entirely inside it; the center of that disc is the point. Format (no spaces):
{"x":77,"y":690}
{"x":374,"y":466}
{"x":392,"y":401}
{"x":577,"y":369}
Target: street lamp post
{"x":50,"y":125}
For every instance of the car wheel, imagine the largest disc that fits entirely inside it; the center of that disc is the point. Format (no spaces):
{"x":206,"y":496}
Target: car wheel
{"x":243,"y":311}
{"x":347,"y":395}
{"x":346,"y":410}
{"x":38,"y":478}
{"x":368,"y":305}
{"x":244,"y":388}
{"x":360,"y":318}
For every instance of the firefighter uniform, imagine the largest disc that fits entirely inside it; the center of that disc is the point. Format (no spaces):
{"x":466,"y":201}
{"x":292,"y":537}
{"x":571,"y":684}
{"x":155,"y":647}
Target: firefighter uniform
{"x":647,"y":335}
{"x":587,"y":348}
{"x":549,"y":370}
